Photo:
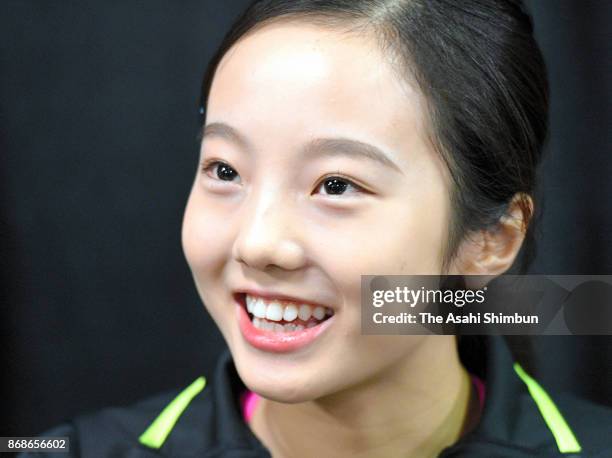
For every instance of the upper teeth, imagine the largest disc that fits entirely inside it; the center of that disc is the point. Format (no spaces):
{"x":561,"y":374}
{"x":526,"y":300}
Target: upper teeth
{"x":276,"y":311}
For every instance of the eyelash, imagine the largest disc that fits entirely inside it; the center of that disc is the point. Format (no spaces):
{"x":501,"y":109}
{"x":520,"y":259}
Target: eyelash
{"x":210,"y":164}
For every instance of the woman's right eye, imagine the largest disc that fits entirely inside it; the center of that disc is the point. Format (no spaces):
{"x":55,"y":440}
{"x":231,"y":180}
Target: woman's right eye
{"x":219,"y":170}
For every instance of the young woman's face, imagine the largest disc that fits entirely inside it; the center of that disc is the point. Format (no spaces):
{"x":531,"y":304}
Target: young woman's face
{"x":292,"y":107}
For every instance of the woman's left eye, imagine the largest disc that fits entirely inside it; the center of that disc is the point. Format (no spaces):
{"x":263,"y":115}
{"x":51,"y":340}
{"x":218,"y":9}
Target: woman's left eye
{"x":335,"y":186}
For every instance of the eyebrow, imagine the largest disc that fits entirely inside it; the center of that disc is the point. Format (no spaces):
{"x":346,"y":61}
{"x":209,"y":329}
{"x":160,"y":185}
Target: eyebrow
{"x":348,"y":147}
{"x":227,"y":132}
{"x":338,"y":146}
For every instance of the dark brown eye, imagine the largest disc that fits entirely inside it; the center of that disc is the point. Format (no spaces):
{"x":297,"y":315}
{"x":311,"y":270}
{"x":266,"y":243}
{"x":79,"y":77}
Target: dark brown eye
{"x":225,"y":172}
{"x":220,"y":171}
{"x":336,"y":186}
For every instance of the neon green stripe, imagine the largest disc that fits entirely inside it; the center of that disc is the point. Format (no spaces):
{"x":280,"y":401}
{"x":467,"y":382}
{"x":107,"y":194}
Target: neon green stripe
{"x":566,"y":441}
{"x":158,"y":431}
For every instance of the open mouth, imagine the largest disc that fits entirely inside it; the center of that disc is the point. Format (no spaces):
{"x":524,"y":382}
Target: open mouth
{"x":281,"y":316}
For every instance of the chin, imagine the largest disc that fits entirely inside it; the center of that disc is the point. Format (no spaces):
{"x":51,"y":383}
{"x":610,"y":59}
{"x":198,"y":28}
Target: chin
{"x":286,"y":385}
{"x":283,"y":393}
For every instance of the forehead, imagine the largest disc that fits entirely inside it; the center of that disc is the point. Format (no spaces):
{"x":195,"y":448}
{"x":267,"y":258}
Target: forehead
{"x":305,"y":79}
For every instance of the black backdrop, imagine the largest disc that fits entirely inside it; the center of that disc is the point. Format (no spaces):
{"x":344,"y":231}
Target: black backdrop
{"x":98,"y":124}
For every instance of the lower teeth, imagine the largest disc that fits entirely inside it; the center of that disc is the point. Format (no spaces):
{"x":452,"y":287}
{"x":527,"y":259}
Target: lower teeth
{"x":266,"y":325}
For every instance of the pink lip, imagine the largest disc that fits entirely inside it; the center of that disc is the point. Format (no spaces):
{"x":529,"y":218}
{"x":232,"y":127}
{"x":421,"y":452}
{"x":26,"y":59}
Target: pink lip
{"x":277,"y":342}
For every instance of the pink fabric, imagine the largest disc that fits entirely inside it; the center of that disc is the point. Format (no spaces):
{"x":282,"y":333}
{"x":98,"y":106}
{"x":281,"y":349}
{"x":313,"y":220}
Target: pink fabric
{"x":480,"y":390}
{"x":249,"y":402}
{"x":250,"y":399}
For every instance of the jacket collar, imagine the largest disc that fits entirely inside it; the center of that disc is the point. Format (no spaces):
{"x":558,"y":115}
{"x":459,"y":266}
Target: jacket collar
{"x":509,"y":417}
{"x":510,"y":423}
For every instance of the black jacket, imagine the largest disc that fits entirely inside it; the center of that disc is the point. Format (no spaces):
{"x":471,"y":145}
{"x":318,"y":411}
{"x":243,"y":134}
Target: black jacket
{"x":513,"y":423}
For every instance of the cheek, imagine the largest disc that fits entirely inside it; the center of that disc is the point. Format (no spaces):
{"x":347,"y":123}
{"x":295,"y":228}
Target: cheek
{"x":204,"y":238}
{"x":206,"y":248}
{"x":398,"y":236}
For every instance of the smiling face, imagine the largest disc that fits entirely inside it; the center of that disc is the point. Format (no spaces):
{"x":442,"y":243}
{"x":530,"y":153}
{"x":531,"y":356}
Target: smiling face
{"x":316,"y":170}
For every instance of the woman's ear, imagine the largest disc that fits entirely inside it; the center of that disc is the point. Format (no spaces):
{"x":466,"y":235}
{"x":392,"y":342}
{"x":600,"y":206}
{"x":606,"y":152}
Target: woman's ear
{"x":492,"y":251}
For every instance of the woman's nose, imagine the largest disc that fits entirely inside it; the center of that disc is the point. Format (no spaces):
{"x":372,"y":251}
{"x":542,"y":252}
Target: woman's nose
{"x":267,"y":237}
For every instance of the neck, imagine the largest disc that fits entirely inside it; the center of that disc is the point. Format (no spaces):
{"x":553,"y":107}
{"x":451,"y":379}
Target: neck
{"x":416,"y":408}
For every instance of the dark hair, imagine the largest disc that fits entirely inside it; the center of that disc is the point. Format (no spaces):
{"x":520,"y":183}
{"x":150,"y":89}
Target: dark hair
{"x":483,"y":77}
